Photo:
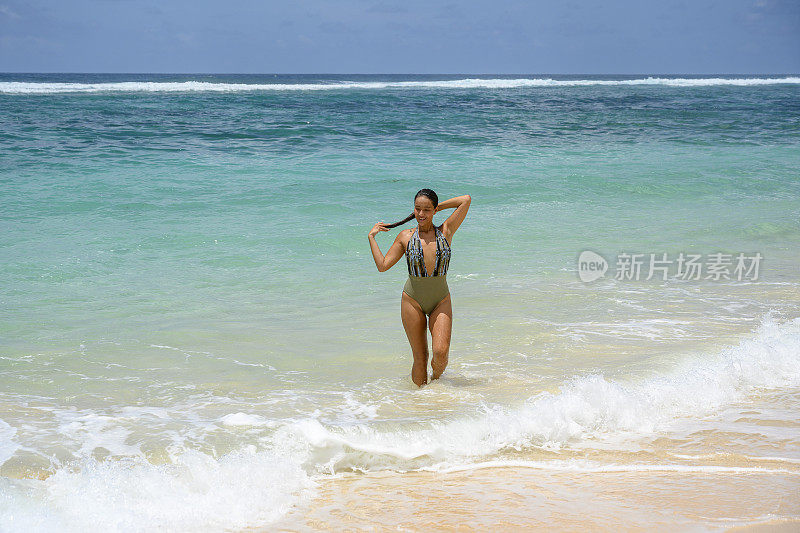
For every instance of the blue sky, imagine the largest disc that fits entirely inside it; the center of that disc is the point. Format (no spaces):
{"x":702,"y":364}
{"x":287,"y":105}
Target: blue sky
{"x":408,"y":36}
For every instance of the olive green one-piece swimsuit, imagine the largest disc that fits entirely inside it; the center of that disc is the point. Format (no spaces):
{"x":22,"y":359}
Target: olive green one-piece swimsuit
{"x":427,"y":290}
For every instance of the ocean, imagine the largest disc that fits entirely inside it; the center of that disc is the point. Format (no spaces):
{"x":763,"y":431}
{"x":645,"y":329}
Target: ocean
{"x":194,"y":335}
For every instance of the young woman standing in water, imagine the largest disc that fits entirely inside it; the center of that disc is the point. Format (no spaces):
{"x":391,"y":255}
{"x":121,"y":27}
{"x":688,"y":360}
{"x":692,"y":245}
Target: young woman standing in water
{"x":427,"y":249}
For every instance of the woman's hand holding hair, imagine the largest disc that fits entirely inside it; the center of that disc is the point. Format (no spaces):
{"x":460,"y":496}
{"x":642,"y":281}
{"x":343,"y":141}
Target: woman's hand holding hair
{"x":380,"y":226}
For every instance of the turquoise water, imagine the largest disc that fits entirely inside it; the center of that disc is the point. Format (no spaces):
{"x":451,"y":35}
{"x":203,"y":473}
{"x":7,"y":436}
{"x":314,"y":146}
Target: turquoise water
{"x":187,"y":278}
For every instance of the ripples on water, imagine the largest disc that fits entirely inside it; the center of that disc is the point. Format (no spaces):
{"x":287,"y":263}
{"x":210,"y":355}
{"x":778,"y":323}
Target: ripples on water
{"x":191,"y":313}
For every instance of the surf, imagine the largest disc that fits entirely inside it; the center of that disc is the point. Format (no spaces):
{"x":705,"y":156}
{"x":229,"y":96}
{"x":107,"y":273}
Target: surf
{"x":16,"y":87}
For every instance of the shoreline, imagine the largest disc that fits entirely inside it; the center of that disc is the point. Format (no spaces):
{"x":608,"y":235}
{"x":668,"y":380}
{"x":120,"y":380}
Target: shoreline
{"x":508,"y":498}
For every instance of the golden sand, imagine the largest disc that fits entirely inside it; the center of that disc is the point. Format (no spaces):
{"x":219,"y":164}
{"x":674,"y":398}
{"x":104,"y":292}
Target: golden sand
{"x":530,"y":499}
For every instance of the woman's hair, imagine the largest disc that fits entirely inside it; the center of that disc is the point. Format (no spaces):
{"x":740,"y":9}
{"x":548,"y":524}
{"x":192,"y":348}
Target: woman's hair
{"x":429,"y":194}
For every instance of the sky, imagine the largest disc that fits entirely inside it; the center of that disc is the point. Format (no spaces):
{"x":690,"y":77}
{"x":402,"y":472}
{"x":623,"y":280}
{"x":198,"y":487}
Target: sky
{"x":401,"y":36}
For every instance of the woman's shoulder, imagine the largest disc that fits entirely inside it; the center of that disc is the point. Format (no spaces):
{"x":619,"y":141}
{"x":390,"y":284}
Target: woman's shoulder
{"x":405,"y":235}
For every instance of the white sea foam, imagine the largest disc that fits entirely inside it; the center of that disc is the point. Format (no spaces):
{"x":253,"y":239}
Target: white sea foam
{"x":196,"y":492}
{"x":15,"y":87}
{"x":143,"y":411}
{"x":244,"y":419}
{"x":580,"y":465}
{"x":7,"y":443}
{"x":772,"y":459}
{"x":89,"y":431}
{"x":586,"y":408}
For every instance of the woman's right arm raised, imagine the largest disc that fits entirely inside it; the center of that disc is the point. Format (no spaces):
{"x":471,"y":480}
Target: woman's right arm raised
{"x":392,"y":256}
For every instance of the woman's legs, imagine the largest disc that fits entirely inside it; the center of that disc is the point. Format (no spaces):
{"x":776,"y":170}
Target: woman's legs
{"x":441,"y":325}
{"x":414,"y":324}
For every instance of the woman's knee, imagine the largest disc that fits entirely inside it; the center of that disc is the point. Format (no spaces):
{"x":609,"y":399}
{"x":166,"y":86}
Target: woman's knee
{"x":441,"y":347}
{"x":439,"y":356}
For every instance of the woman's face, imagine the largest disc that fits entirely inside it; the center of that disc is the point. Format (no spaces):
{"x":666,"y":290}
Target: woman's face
{"x":423,"y":209}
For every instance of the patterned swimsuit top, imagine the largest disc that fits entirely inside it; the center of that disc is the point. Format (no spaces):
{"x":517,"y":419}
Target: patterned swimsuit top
{"x":416,"y":260}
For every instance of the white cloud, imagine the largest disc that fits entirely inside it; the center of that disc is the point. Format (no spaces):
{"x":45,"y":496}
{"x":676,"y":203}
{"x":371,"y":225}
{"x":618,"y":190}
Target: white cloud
{"x":5,"y":10}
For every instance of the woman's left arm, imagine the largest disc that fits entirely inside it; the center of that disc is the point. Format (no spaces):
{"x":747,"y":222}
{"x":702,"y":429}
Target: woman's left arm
{"x":461,"y":203}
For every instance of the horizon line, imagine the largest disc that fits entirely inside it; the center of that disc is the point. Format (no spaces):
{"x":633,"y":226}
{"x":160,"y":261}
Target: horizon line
{"x":431,"y":74}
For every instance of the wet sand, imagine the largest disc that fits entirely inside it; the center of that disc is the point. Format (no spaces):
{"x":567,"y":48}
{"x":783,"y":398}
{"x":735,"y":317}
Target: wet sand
{"x":771,"y":526}
{"x":530,"y":499}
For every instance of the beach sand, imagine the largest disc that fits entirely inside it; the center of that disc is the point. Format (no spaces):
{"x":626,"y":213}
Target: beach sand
{"x":771,"y":526}
{"x":532,"y":499}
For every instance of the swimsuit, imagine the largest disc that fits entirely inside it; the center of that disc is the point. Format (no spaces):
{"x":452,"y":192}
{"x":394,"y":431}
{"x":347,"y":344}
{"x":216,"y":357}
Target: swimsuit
{"x":427,"y":290}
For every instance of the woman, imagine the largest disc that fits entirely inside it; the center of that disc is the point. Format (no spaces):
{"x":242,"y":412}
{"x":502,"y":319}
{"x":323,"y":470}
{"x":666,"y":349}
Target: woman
{"x":427,"y":251}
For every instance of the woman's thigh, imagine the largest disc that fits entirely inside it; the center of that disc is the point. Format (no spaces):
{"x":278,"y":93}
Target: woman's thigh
{"x":414,"y":322}
{"x":441,"y":325}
